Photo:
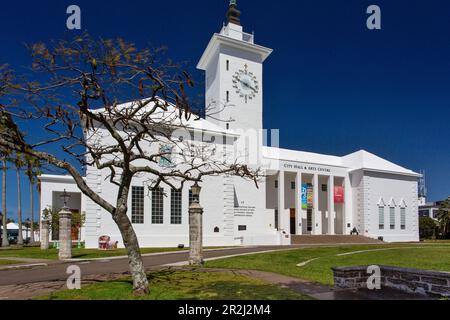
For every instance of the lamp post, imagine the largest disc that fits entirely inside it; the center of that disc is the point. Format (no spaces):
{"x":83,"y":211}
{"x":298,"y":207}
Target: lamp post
{"x":195,"y":228}
{"x":65,"y":229}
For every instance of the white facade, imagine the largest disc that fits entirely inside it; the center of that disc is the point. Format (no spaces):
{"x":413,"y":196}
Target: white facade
{"x":236,"y":212}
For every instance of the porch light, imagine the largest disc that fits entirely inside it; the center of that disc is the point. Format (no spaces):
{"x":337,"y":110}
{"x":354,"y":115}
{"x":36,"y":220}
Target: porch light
{"x":196,"y":191}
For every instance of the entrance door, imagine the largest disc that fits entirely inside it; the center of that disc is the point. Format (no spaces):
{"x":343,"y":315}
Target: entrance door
{"x":292,"y":220}
{"x":309,"y":220}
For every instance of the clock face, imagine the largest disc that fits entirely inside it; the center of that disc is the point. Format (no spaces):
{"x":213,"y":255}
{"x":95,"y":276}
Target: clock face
{"x":245,"y":84}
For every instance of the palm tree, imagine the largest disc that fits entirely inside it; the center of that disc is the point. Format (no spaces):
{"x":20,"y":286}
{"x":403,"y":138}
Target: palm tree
{"x":32,"y":171}
{"x":31,"y":212}
{"x":19,"y":163}
{"x":443,"y":217}
{"x":5,"y":242}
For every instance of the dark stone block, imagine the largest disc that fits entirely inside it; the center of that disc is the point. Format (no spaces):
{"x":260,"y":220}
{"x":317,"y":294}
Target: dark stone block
{"x":344,"y":283}
{"x":352,"y":274}
{"x":438,"y":281}
{"x":339,"y":274}
{"x":410,"y":277}
{"x":397,"y":282}
{"x":441,"y":290}
{"x":431,"y":283}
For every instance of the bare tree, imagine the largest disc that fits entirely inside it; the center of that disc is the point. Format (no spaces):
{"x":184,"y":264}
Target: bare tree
{"x":130,"y":116}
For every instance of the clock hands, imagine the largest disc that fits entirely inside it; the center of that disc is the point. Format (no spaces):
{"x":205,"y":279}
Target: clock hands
{"x":247,"y":85}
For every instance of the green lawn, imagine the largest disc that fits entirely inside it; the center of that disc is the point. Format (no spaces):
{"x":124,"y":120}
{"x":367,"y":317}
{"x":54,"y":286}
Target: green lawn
{"x":429,"y":256}
{"x":37,"y":253}
{"x":188,"y":285}
{"x":4,"y":262}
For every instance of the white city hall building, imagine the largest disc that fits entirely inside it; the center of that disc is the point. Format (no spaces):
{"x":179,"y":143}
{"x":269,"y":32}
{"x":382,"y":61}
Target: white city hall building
{"x":302,"y":193}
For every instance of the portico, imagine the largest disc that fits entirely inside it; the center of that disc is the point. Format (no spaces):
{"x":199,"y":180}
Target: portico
{"x":306,"y":203}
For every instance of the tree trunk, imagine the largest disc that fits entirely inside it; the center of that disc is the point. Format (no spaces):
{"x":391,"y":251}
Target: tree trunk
{"x":31,"y":212}
{"x":140,"y":282}
{"x":19,"y":209}
{"x":5,"y":242}
{"x":137,"y":270}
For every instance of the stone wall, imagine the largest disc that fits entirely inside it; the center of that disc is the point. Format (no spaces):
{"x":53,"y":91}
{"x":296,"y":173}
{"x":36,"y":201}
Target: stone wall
{"x":430,"y":283}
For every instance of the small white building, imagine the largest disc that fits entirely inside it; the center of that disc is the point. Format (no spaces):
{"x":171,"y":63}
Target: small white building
{"x":303,"y":193}
{"x":429,"y":209}
{"x":13,"y":231}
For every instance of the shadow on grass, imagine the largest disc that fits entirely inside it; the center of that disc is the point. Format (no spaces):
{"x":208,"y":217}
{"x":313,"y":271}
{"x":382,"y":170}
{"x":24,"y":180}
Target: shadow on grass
{"x":186,"y":285}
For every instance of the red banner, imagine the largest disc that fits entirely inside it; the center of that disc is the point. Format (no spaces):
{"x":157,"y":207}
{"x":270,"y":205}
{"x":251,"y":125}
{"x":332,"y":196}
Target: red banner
{"x":338,"y":194}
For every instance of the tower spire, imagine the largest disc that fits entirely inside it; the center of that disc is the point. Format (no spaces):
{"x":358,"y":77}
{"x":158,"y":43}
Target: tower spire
{"x":233,"y":14}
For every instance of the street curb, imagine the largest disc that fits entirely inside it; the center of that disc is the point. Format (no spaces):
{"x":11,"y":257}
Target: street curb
{"x":149,"y":254}
{"x":185,"y":263}
{"x":23,"y":266}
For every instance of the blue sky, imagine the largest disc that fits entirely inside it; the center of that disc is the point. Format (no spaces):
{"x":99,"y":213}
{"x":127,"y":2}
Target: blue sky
{"x":331,"y":85}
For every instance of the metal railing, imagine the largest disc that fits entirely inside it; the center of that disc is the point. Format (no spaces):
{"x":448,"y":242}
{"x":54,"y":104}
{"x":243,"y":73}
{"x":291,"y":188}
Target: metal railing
{"x":246,"y":37}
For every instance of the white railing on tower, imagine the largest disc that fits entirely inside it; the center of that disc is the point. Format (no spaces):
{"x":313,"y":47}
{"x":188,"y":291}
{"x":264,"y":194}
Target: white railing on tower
{"x":246,"y":37}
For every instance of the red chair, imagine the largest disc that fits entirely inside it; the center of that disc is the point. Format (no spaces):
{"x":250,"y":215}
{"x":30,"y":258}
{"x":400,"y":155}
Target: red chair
{"x":103,"y":242}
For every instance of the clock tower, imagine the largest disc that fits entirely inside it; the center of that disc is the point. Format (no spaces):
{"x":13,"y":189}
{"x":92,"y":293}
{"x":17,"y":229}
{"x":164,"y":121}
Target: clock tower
{"x":233,"y":66}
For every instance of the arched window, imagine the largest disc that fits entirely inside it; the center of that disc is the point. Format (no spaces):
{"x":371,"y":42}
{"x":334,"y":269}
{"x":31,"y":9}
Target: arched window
{"x":392,"y":206}
{"x":381,"y":206}
{"x":403,"y":215}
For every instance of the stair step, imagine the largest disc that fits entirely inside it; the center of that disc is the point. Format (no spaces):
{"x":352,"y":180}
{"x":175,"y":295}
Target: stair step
{"x":331,"y":239}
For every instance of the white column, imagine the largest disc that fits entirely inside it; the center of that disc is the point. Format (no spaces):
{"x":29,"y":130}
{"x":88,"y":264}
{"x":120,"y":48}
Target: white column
{"x":282,"y":217}
{"x":331,"y":214}
{"x":347,"y":212}
{"x":317,"y":226}
{"x":298,"y":204}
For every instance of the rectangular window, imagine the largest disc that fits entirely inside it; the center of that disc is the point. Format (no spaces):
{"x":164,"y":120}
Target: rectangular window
{"x":435,"y":214}
{"x":324,"y":188}
{"x":242,"y":228}
{"x":381,"y":218}
{"x":403,"y":218}
{"x":157,"y":206}
{"x":293,"y":185}
{"x":228,"y":65}
{"x":137,"y":205}
{"x":228,"y":96}
{"x":165,"y":160}
{"x":392,"y":217}
{"x":276,"y":219}
{"x":276,"y":184}
{"x":175,"y":206}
